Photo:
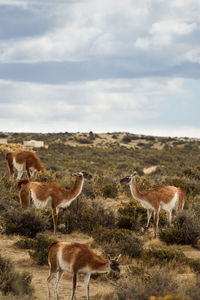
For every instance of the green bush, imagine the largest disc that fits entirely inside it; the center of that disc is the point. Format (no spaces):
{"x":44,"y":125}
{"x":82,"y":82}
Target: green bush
{"x":28,"y":223}
{"x":126,"y":139}
{"x":193,"y":290}
{"x":186,"y":229}
{"x":194,"y":264}
{"x":86,"y":218}
{"x":158,"y":283}
{"x":103,"y":234}
{"x":12,"y":281}
{"x":118,"y":241}
{"x":39,"y":246}
{"x":105,"y":187}
{"x":163,"y":257}
{"x":189,"y":185}
{"x":131,"y":246}
{"x":154,"y":256}
{"x":134,"y":217}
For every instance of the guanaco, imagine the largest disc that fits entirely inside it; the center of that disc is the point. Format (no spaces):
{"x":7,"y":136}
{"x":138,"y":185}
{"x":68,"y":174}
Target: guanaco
{"x":50,"y":195}
{"x":77,"y":259}
{"x":23,"y":161}
{"x":166,"y":198}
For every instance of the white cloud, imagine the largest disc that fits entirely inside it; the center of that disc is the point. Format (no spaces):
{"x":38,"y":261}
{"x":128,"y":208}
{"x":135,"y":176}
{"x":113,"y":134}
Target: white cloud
{"x":124,"y":39}
{"x":184,"y":131}
{"x":83,"y":29}
{"x":192,"y":55}
{"x":22,"y":3}
{"x":97,"y":28}
{"x":80,"y":106}
{"x":162,"y":33}
{"x":172,"y":27}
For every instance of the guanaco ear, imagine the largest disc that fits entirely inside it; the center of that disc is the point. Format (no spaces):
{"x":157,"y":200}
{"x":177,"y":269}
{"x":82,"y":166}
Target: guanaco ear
{"x":118,"y":257}
{"x":109,"y":257}
{"x":134,"y":174}
{"x":74,"y":174}
{"x":77,"y":174}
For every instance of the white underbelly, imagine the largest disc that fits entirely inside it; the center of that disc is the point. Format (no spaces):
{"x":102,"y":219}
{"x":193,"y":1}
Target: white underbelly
{"x":19,"y":167}
{"x":171,"y":205}
{"x":65,"y":203}
{"x":38,"y":203}
{"x":63,"y":265}
{"x":145,"y":204}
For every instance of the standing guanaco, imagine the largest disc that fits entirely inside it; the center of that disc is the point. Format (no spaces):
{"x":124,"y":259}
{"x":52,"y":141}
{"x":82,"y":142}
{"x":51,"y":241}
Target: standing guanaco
{"x":77,"y":259}
{"x":166,"y":198}
{"x":50,"y":195}
{"x":23,"y":161}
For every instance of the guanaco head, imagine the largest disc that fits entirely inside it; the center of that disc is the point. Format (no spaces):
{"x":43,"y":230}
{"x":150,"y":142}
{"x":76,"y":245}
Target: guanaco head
{"x":82,"y":174}
{"x":127,"y":179}
{"x":114,"y":264}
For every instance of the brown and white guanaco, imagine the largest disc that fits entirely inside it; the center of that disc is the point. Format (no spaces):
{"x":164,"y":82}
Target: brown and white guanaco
{"x":50,"y":195}
{"x":23,"y":161}
{"x":77,"y":259}
{"x":167,"y":198}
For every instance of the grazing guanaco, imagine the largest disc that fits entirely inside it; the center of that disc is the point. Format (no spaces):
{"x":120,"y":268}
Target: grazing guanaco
{"x":23,"y":161}
{"x":77,"y":259}
{"x":50,"y":195}
{"x":167,"y":198}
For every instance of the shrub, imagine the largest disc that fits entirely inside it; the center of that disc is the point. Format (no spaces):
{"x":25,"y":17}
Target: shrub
{"x":171,"y":297}
{"x":186,"y":229}
{"x":108,"y":296}
{"x":189,"y":185}
{"x":12,"y":281}
{"x":103,"y":234}
{"x":193,"y":290}
{"x":134,"y":217}
{"x":159,"y":283}
{"x":154,"y":256}
{"x":26,"y":223}
{"x":126,"y":139}
{"x":194,"y":264}
{"x":130,"y":246}
{"x":119,"y":240}
{"x":163,"y":257}
{"x":84,"y":140}
{"x":105,"y":187}
{"x":81,"y":216}
{"x":39,"y":246}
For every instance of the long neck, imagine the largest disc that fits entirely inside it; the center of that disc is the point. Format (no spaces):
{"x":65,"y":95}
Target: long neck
{"x":76,"y":188}
{"x":137,"y":195}
{"x":100,"y":265}
{"x":39,"y":166}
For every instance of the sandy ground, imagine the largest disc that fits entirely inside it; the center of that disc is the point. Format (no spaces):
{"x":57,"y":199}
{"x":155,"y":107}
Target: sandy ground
{"x":22,"y":263}
{"x":149,"y":170}
{"x":98,"y":287}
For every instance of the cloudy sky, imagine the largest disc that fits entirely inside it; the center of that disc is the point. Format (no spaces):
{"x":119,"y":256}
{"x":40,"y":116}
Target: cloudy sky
{"x":100,"y":65}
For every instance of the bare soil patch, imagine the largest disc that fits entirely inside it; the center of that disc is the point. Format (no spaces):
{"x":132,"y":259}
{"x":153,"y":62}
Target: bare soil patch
{"x":150,"y":170}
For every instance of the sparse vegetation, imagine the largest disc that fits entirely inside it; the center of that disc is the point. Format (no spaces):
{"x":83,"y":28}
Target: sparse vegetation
{"x":39,"y":248}
{"x":106,"y":211}
{"x":11,"y":282}
{"x":157,"y":282}
{"x":186,"y":230}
